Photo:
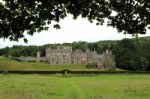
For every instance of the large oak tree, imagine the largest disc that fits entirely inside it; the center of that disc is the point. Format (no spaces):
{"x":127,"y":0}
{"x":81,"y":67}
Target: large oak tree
{"x":18,"y":16}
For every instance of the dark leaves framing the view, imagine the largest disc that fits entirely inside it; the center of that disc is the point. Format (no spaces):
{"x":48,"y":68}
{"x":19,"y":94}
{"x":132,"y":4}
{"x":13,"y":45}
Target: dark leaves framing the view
{"x":20,"y":16}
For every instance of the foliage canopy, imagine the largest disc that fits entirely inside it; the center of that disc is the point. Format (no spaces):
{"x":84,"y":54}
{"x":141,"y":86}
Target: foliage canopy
{"x":18,"y":16}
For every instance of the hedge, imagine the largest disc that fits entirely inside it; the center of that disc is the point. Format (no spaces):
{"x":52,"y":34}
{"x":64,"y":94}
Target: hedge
{"x":73,"y":72}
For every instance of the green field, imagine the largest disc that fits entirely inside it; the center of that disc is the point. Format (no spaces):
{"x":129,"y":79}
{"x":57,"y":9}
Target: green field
{"x":7,"y":64}
{"x":74,"y":87}
{"x":71,"y":86}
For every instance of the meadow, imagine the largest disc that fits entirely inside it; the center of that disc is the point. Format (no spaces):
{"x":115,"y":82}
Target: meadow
{"x":58,"y":86}
{"x":8,"y":64}
{"x":74,"y":87}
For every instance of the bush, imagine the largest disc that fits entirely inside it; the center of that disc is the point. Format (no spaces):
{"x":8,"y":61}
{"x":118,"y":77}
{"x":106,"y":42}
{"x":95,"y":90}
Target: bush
{"x":91,"y":65}
{"x":31,"y":60}
{"x":111,"y":69}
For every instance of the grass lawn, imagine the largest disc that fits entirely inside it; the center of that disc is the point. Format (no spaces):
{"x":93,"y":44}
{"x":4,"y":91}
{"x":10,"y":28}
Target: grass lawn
{"x":74,"y":87}
{"x":7,"y":64}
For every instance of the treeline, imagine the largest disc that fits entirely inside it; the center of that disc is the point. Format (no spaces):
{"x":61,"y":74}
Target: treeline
{"x":130,"y":54}
{"x":31,"y":50}
{"x":17,"y":51}
{"x":133,"y":54}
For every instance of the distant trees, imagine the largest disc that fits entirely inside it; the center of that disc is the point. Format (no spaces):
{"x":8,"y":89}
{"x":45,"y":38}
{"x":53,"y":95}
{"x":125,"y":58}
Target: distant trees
{"x":31,"y":50}
{"x":144,"y":63}
{"x":4,"y":51}
{"x":82,"y":45}
{"x":131,"y":56}
{"x":19,"y":51}
{"x":125,"y":52}
{"x":144,"y":54}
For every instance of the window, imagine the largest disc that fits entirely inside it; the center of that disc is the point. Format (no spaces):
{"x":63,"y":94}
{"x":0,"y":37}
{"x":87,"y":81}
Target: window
{"x":48,"y":55}
{"x":100,"y":59}
{"x":83,"y":58}
{"x":53,"y":61}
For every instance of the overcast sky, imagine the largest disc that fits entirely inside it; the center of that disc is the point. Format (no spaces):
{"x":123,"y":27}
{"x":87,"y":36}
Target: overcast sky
{"x":71,"y":30}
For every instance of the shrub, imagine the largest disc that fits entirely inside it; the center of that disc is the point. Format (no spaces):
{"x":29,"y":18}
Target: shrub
{"x":91,"y":65}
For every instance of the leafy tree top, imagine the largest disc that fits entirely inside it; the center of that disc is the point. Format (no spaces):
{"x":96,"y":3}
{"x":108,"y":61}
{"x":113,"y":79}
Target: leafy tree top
{"x":18,"y":16}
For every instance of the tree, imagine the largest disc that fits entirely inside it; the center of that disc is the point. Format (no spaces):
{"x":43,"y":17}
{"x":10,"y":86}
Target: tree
{"x":82,"y":45}
{"x":19,"y":16}
{"x":144,"y":63}
{"x":132,"y":16}
{"x":4,"y":51}
{"x":125,"y":54}
{"x":144,"y":54}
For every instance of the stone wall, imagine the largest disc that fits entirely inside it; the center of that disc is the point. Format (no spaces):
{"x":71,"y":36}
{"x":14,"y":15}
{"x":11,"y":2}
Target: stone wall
{"x":28,"y":59}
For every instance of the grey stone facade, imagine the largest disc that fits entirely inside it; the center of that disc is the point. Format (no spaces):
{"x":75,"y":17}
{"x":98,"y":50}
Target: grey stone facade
{"x":59,"y":56}
{"x":66,"y":55}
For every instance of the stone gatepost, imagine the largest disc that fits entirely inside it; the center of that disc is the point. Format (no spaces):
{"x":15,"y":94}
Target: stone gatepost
{"x":38,"y":57}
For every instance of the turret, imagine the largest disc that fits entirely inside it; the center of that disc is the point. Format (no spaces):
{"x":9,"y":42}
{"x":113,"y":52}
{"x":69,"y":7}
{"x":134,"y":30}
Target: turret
{"x":38,"y":56}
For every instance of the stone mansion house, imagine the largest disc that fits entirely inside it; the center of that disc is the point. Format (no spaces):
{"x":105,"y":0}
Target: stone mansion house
{"x":65,"y":55}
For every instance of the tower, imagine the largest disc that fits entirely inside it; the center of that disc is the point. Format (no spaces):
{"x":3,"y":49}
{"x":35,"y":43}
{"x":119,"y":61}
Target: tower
{"x":38,"y":56}
{"x":108,"y":59}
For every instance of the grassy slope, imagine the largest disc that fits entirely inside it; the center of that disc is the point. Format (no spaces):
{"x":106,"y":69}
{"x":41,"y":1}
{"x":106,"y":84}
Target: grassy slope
{"x":6,"y":64}
{"x":74,"y":87}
